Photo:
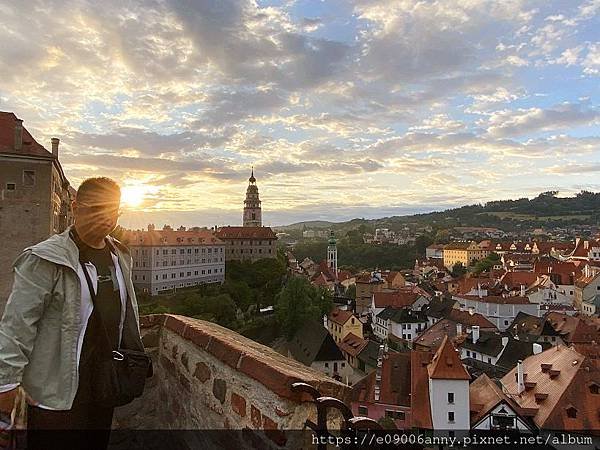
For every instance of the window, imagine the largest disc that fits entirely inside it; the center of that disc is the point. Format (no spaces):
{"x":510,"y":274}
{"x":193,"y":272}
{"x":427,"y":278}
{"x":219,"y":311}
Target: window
{"x":571,"y":413}
{"x":11,"y":186}
{"x":363,"y":410}
{"x":450,"y":397}
{"x":595,"y":389}
{"x":326,"y":365}
{"x":29,"y":178}
{"x":451,"y":416}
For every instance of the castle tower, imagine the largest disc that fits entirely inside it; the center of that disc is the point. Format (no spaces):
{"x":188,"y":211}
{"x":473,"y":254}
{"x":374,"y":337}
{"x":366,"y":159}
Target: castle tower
{"x":332,"y":262}
{"x":252,"y":211}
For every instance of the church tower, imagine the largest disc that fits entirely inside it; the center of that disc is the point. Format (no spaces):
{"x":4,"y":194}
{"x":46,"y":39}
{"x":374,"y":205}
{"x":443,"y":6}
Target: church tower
{"x":252,"y":211}
{"x":332,"y":261}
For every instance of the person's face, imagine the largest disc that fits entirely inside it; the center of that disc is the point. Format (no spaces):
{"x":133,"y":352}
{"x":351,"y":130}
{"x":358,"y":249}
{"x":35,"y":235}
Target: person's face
{"x":97,"y":214}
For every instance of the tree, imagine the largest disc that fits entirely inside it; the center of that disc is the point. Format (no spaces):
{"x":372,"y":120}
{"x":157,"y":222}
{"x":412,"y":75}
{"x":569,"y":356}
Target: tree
{"x":422,"y":242}
{"x":298,"y":302}
{"x":487,"y":263}
{"x":350,"y":291}
{"x":458,"y":270}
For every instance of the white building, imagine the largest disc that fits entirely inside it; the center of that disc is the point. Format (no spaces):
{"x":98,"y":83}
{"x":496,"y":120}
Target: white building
{"x":169,"y":259}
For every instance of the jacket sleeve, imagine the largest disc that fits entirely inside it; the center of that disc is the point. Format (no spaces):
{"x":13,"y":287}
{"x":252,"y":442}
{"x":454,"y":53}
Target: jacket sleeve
{"x":32,"y":289}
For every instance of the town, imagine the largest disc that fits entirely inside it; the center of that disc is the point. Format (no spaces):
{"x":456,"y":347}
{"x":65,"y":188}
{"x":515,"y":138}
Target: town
{"x":486,"y":331}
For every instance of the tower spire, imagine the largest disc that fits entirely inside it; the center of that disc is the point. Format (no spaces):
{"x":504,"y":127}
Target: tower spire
{"x":252,"y":210}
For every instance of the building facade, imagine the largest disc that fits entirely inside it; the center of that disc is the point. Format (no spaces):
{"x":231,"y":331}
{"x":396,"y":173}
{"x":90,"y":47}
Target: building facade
{"x":248,"y":243}
{"x":35,"y":195}
{"x":168,"y":259}
{"x":464,"y":253}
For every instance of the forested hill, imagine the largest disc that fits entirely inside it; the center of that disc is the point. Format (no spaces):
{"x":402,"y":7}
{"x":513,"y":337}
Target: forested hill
{"x":547,"y":209}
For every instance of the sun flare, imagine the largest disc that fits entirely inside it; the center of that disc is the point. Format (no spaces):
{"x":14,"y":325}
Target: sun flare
{"x":133,"y":196}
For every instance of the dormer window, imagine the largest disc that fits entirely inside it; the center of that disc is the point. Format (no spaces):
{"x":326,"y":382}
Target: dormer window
{"x":594,"y":389}
{"x":572,"y":413}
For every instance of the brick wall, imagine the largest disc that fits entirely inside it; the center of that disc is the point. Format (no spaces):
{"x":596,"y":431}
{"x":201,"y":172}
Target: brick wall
{"x":209,"y":377}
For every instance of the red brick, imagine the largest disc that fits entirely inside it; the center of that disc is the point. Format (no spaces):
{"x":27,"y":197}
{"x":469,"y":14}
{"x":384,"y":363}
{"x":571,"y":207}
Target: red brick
{"x":255,"y":417}
{"x":276,"y":380}
{"x":199,"y":337}
{"x":238,"y":404}
{"x":175,"y":324}
{"x":224,"y":351}
{"x":202,"y":372}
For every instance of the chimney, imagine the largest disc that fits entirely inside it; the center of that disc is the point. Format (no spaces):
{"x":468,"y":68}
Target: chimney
{"x":537,"y":348}
{"x":520,"y":377}
{"x":504,"y":341}
{"x":458,"y":329}
{"x":522,"y":290}
{"x":18,"y":135}
{"x":55,"y":142}
{"x":475,"y":329}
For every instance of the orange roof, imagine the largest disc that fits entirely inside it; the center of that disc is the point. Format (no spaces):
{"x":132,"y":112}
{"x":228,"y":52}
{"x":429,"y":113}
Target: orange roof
{"x":484,"y":395}
{"x":340,"y":316}
{"x":446,"y":364}
{"x":419,"y":381}
{"x":572,"y":329}
{"x":466,"y":284}
{"x":394,"y":299}
{"x":469,"y":320}
{"x":352,"y":344}
{"x":246,"y":233}
{"x":171,"y":237}
{"x":30,"y":146}
{"x":560,"y":383}
{"x":395,"y":384}
{"x":514,"y":280}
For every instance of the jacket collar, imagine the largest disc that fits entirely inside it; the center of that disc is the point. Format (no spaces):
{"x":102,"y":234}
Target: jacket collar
{"x":60,"y":249}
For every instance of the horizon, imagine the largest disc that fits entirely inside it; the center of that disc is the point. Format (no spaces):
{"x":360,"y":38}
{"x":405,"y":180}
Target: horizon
{"x":370,"y":108}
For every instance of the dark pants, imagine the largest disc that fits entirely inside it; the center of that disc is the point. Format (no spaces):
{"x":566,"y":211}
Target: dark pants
{"x":84,"y":426}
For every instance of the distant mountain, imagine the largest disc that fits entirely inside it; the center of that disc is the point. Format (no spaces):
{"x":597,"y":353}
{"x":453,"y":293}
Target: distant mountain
{"x":545,"y":210}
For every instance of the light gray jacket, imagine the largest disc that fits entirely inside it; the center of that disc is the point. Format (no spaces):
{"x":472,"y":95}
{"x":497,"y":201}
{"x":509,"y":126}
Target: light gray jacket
{"x":44,"y":322}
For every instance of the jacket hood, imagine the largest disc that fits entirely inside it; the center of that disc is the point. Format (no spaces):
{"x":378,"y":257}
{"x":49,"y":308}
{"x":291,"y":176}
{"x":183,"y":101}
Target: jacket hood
{"x":58,"y":249}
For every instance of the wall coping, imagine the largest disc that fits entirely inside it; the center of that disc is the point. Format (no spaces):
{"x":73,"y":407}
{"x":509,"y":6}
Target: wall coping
{"x":261,"y":363}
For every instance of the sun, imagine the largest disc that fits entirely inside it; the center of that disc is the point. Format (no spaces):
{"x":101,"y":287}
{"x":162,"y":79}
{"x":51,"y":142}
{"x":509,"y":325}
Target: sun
{"x":133,"y":196}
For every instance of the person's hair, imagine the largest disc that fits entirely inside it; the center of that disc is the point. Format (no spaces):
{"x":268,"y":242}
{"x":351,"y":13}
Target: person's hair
{"x":98,"y":187}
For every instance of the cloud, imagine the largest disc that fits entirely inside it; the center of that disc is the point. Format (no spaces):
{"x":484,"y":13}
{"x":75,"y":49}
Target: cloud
{"x":514,"y":123}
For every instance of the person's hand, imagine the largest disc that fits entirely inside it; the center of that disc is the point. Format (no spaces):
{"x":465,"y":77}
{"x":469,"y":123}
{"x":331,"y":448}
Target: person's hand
{"x":7,"y":403}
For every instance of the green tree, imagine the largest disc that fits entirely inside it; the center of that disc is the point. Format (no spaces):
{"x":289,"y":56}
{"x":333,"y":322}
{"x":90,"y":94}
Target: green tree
{"x":298,"y":302}
{"x":350,"y":291}
{"x":487,"y":263}
{"x":458,"y":270}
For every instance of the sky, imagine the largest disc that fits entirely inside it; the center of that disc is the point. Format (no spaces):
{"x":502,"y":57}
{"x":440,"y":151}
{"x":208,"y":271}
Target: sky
{"x":365,"y":108}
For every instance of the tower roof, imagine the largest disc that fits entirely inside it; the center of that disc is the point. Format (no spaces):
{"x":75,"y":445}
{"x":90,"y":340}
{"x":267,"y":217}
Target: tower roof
{"x":446,"y":363}
{"x":252,"y":179}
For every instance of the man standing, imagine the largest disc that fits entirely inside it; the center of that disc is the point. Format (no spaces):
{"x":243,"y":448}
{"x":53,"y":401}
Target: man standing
{"x":53,"y":327}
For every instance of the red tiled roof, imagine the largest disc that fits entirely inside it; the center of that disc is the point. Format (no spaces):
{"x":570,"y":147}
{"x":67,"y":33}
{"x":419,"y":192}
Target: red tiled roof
{"x":246,"y":233}
{"x":30,"y":146}
{"x":467,"y":319}
{"x":577,"y":329}
{"x":419,"y":380}
{"x":352,"y":344}
{"x":566,"y":271}
{"x":485,"y":395}
{"x":395,"y":384}
{"x":171,"y":237}
{"x":563,"y":379}
{"x":514,"y":280}
{"x":394,"y":299}
{"x":340,"y":316}
{"x":446,"y":364}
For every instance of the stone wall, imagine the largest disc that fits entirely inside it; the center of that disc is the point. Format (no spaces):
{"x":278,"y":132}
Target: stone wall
{"x":210,"y":378}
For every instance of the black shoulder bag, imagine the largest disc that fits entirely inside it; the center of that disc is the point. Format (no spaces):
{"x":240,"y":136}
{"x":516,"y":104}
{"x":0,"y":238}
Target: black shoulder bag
{"x":120,"y":375}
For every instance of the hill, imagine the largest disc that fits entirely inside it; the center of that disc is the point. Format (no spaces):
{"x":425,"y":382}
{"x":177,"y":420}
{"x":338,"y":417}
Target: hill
{"x":547,"y":209}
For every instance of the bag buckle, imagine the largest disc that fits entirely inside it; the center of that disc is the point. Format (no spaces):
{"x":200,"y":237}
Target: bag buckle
{"x":118,"y":356}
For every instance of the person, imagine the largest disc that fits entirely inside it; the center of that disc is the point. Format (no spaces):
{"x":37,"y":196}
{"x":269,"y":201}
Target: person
{"x":52,"y":327}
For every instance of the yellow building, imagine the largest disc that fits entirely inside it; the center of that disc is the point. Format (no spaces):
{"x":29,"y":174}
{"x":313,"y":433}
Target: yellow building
{"x":340,"y":323}
{"x":464,"y":253}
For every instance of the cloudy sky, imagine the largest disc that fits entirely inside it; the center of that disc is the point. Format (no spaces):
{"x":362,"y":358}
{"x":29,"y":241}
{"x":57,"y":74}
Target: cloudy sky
{"x":346,"y":109}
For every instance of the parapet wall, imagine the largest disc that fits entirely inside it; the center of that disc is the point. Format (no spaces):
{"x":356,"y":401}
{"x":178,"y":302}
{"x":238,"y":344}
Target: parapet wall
{"x":210,"y":378}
